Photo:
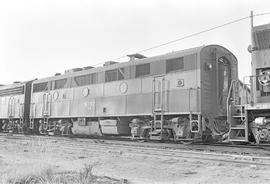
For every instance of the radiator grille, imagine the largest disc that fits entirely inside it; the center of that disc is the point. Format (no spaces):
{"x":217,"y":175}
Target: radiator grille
{"x":262,"y":40}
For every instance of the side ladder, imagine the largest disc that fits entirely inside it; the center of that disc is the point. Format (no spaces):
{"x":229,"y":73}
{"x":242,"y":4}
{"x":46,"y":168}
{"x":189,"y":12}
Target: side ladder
{"x":236,"y":115}
{"x":238,"y":124}
{"x":157,"y":124}
{"x":158,"y":107}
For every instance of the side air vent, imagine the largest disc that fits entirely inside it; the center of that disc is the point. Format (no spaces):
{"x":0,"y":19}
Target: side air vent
{"x":12,"y":91}
{"x":57,"y":74}
{"x":262,"y":39}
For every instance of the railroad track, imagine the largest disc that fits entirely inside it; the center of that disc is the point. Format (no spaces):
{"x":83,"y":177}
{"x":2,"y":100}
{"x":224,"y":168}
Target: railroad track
{"x":97,"y":146}
{"x":168,"y":144}
{"x":263,"y":150}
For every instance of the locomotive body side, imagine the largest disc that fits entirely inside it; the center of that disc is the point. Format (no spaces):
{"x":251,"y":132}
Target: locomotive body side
{"x":129,"y":96}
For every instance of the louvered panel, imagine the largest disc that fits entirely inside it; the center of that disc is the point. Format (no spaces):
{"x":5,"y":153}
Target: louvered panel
{"x":263,"y":39}
{"x":12,"y":91}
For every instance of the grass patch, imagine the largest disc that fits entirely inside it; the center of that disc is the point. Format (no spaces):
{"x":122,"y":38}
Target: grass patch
{"x":48,"y":176}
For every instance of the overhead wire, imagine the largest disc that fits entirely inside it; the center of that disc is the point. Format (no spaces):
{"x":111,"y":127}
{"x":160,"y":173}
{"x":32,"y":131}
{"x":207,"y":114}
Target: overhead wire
{"x":192,"y":35}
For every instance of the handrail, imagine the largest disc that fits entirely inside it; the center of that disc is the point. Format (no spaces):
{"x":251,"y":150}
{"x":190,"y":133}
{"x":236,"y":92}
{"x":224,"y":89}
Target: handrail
{"x":228,"y":97}
{"x":233,"y":86}
{"x":246,"y":90}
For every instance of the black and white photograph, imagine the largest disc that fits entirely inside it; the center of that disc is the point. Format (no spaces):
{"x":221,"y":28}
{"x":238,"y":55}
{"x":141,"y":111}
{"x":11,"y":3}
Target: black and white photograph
{"x":134,"y":92}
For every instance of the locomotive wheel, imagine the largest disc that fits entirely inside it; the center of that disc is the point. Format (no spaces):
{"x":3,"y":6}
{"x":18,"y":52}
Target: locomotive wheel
{"x":145,"y":134}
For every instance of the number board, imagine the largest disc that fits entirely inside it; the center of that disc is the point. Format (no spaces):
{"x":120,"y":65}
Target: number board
{"x":180,"y":83}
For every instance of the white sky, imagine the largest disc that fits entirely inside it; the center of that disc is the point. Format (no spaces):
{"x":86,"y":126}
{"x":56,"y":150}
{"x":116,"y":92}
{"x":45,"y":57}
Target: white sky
{"x":39,"y":38}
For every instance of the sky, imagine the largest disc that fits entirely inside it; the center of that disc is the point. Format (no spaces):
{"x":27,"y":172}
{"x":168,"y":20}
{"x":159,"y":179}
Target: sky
{"x":39,"y":38}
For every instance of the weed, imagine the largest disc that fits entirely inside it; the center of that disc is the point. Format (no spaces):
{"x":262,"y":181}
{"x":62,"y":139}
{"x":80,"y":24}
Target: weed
{"x":48,"y":176}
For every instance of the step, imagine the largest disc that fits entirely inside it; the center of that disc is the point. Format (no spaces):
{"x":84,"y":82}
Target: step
{"x":238,"y":140}
{"x":238,"y":127}
{"x":158,"y":113}
{"x":238,"y":116}
{"x":239,"y":106}
{"x":158,"y":110}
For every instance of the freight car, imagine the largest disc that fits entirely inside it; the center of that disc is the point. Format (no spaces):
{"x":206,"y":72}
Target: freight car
{"x":15,"y":106}
{"x":254,"y":123}
{"x":179,"y":95}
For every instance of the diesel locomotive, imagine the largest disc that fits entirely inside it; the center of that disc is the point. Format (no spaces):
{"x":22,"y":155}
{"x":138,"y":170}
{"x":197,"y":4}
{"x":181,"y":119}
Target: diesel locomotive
{"x":181,"y":95}
{"x":253,"y":124}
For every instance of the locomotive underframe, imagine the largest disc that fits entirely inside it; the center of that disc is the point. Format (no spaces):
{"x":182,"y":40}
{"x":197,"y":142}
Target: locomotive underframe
{"x":13,"y":125}
{"x":259,"y":132}
{"x":193,"y":128}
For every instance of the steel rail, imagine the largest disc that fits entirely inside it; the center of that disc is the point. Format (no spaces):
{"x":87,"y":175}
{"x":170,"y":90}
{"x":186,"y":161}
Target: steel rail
{"x":85,"y":147}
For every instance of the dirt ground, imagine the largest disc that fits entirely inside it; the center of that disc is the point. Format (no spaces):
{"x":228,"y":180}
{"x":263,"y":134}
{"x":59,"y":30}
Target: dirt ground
{"x":19,"y":158}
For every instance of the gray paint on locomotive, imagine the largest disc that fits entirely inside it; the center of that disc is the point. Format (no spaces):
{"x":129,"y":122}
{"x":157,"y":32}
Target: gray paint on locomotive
{"x":199,"y":95}
{"x":210,"y":81}
{"x":130,"y":65}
